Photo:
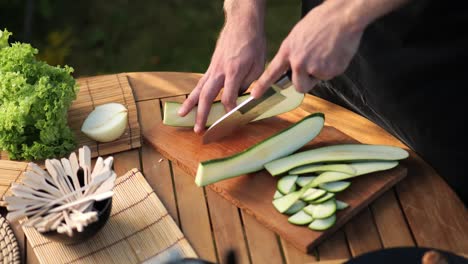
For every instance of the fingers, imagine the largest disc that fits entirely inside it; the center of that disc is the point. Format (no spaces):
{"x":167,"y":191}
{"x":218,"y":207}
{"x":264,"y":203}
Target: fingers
{"x":277,"y":67}
{"x":192,"y":99}
{"x":205,"y":100}
{"x":303,"y":81}
{"x":231,"y":90}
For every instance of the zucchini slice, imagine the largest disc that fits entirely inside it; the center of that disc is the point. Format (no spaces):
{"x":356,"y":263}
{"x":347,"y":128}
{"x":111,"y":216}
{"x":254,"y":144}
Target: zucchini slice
{"x":300,"y":218}
{"x":309,"y":209}
{"x":253,"y":158}
{"x":296,"y":207}
{"x":322,"y":224}
{"x":171,"y":118}
{"x":313,"y":194}
{"x":340,"y":205}
{"x":287,"y":184}
{"x":361,"y":169}
{"x":304,"y":180}
{"x":345,"y":168}
{"x":337,"y":186}
{"x":335,"y":153}
{"x":277,"y":194}
{"x":324,"y":198}
{"x":282,"y":204}
{"x":323,"y":210}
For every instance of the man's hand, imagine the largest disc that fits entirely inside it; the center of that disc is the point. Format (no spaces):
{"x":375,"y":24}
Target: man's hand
{"x":319,"y":47}
{"x":238,"y":60}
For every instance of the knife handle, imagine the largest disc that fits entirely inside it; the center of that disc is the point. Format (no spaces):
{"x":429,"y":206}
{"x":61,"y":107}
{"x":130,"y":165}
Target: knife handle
{"x":285,"y":80}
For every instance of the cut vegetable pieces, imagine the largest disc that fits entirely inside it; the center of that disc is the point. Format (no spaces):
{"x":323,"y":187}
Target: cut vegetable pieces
{"x":300,"y":218}
{"x":361,"y":169}
{"x":304,"y":180}
{"x":253,"y":158}
{"x":335,"y":153}
{"x":324,"y":198}
{"x":313,"y":194}
{"x":287,"y":184}
{"x":345,"y":168}
{"x":284,"y":203}
{"x":324,"y":210}
{"x":340,"y":205}
{"x":309,"y":209}
{"x":322,"y":224}
{"x":296,"y":207}
{"x":337,"y":186}
{"x":277,"y":194}
{"x":171,"y":117}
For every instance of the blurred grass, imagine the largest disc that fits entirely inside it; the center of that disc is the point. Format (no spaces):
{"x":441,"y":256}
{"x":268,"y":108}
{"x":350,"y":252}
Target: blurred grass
{"x":98,"y":37}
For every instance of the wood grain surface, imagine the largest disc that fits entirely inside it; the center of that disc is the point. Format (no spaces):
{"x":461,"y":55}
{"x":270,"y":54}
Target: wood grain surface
{"x":253,"y":193}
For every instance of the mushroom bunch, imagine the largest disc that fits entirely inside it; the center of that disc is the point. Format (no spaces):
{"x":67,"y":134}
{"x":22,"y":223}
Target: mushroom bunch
{"x":62,"y":197}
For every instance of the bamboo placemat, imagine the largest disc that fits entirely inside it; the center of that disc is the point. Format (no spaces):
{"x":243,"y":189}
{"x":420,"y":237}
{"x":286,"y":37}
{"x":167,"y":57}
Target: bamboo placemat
{"x":10,"y":171}
{"x":95,"y":91}
{"x":139,"y":229}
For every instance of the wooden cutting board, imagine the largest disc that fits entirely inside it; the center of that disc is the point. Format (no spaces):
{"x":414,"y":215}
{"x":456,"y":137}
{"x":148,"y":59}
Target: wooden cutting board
{"x":253,"y":193}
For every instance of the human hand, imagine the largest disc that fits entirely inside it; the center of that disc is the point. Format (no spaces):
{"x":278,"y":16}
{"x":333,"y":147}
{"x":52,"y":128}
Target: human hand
{"x":320,"y":46}
{"x":238,"y":60}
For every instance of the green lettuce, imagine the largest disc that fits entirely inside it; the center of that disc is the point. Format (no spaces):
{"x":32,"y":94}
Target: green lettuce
{"x":34,"y":100}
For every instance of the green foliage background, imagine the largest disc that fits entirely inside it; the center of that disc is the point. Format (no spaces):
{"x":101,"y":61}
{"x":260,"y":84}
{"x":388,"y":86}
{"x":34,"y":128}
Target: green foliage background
{"x":110,"y":36}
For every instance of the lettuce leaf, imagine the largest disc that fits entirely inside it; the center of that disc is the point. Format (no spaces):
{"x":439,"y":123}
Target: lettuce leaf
{"x":34,"y":100}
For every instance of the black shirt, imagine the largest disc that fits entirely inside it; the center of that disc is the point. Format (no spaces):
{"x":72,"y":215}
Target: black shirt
{"x":409,"y":76}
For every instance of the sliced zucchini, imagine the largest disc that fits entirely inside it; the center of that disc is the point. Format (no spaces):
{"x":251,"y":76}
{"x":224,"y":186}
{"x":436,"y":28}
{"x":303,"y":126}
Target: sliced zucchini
{"x":309,"y":209}
{"x":324,"y":210}
{"x":322,"y":224}
{"x":361,"y":169}
{"x":345,"y":168}
{"x":340,"y":205}
{"x":282,"y":204}
{"x":304,"y":180}
{"x":337,"y":186}
{"x":296,"y":207}
{"x":287,"y":184}
{"x":336,"y":153}
{"x":171,"y":118}
{"x":300,"y":218}
{"x":313,"y":194}
{"x":253,"y":158}
{"x":324,"y":198}
{"x":277,"y":194}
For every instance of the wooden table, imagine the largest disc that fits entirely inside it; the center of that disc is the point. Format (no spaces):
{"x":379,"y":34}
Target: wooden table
{"x":420,"y":211}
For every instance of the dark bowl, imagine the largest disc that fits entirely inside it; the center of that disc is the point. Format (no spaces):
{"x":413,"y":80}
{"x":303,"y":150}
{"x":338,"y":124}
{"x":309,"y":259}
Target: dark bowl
{"x":103,"y":208}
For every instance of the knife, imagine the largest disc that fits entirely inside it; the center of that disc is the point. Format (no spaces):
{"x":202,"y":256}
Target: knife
{"x":247,"y":110}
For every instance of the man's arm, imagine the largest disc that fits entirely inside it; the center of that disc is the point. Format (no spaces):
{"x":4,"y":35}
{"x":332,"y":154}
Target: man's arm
{"x":323,"y":43}
{"x":238,"y":59}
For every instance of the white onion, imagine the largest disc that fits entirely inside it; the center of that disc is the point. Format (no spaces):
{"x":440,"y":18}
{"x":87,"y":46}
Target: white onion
{"x":106,"y":122}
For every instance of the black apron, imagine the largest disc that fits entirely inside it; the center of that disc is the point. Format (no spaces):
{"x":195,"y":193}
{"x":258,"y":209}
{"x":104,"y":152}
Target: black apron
{"x":409,"y":76}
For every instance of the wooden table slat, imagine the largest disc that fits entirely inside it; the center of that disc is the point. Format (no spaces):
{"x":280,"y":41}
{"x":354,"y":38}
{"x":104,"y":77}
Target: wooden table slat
{"x":155,"y":167}
{"x":294,"y":255}
{"x":335,"y":247}
{"x":388,"y":215}
{"x":362,"y":234}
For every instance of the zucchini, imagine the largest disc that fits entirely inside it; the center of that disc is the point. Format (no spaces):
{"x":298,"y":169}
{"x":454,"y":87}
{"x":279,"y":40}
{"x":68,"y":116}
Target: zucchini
{"x":287,"y":184}
{"x":296,"y":207}
{"x":344,"y":152}
{"x":300,"y":218}
{"x":336,"y":186}
{"x":324,"y":198}
{"x":340,"y":205}
{"x":282,"y":204}
{"x":277,"y":194}
{"x":171,"y":118}
{"x":304,"y":180}
{"x":322,"y":224}
{"x":361,"y":169}
{"x":345,"y":168}
{"x":323,"y":210}
{"x":309,"y":209}
{"x":253,"y":158}
{"x":313,"y":194}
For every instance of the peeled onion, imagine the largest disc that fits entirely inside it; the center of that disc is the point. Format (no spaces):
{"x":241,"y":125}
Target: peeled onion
{"x":106,"y":122}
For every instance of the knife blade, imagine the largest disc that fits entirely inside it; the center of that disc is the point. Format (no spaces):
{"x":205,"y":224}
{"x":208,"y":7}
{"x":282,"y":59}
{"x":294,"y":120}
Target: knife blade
{"x":247,"y":111}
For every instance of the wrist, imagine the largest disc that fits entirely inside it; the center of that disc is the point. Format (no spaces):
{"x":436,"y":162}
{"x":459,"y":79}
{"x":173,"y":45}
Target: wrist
{"x":245,"y":14}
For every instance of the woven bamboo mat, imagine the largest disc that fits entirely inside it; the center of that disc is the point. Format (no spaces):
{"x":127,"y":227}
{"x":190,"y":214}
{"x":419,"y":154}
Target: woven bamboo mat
{"x":95,"y":91}
{"x":139,"y":229}
{"x":10,"y":171}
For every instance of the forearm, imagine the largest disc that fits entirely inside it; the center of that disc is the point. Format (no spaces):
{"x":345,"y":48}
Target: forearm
{"x":360,"y":13}
{"x":245,"y":13}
